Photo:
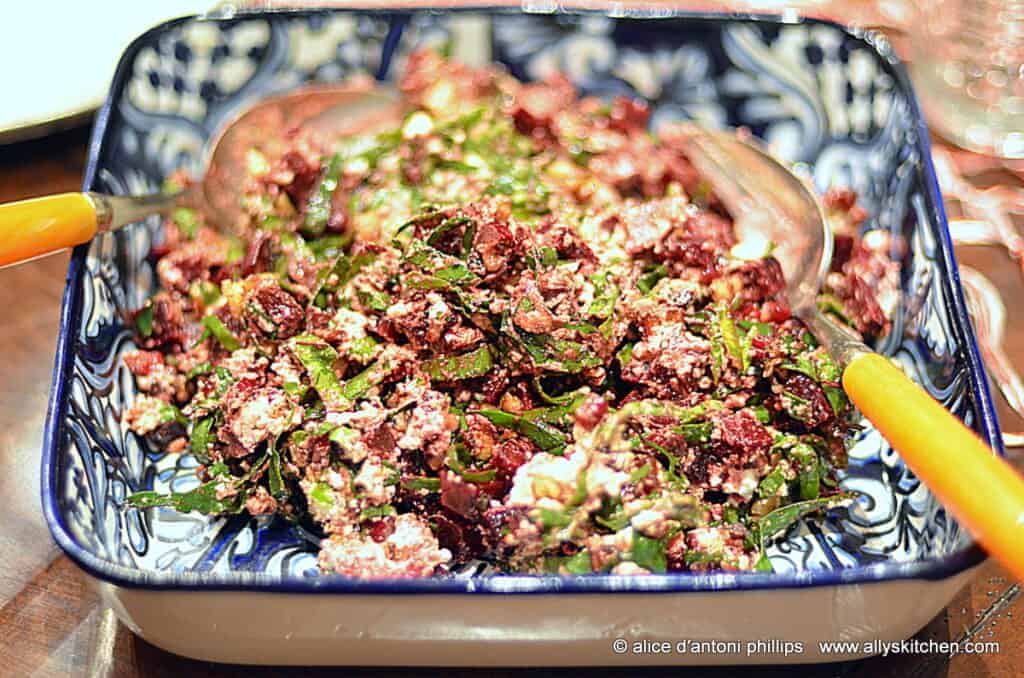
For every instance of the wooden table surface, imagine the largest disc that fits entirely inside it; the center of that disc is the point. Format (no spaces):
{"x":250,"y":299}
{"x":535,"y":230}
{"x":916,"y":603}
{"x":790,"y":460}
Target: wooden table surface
{"x":52,"y":625}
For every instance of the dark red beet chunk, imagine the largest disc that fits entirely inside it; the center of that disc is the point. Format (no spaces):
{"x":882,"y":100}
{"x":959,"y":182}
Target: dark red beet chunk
{"x":305,"y":172}
{"x":465,"y":539}
{"x":859,"y":299}
{"x":565,"y":241}
{"x":494,"y":385}
{"x":142,"y":363}
{"x":629,"y":115}
{"x":169,"y":331}
{"x":591,"y":411}
{"x":495,"y":245}
{"x":842,"y":249}
{"x":760,"y":279}
{"x":773,"y":311}
{"x":743,"y":431}
{"x":818,"y":409}
{"x":276,"y":312}
{"x":841,"y":199}
{"x":512,"y":454}
{"x":381,"y":440}
{"x":675,"y":553}
{"x":457,"y":495}
{"x":259,"y":256}
{"x":380,"y":529}
{"x":538,"y":103}
{"x":450,"y":536}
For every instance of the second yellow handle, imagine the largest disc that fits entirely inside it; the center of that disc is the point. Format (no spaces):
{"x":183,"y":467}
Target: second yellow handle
{"x":983,"y":492}
{"x":30,"y":228}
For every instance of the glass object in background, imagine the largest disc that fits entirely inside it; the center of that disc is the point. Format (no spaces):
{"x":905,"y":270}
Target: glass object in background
{"x":968,"y":65}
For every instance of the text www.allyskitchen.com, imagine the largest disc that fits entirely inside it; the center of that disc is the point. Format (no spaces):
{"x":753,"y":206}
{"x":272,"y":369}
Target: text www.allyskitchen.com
{"x":787,"y":648}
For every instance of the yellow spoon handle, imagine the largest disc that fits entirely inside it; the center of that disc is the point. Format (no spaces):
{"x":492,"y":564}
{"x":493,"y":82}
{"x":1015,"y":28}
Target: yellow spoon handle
{"x":30,"y":228}
{"x":983,"y":492}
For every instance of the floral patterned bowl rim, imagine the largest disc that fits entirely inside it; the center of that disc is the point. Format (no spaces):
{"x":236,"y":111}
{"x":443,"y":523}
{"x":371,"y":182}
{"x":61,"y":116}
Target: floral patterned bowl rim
{"x":120,"y":575}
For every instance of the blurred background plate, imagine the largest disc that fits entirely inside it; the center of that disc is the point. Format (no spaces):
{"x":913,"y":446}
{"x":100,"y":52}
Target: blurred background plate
{"x":55,"y":78}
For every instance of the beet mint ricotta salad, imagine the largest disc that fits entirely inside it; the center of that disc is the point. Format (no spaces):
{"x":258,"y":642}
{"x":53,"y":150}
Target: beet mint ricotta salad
{"x":516,"y":329}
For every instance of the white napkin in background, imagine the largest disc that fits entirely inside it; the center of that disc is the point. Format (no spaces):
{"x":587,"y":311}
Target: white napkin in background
{"x":57,"y":57}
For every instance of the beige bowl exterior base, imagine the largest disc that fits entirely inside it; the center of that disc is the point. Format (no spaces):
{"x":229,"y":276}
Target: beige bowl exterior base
{"x":526,"y":629}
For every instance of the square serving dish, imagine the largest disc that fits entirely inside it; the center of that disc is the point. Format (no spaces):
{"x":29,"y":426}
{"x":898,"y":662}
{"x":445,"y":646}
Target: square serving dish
{"x":832,"y":99}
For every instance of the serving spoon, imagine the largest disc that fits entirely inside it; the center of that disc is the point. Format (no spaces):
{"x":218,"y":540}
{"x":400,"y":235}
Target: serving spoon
{"x":767,"y":201}
{"x":32,"y":228}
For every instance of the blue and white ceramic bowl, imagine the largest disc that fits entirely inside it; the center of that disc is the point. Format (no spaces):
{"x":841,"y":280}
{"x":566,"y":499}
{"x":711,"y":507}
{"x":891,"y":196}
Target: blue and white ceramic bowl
{"x":833,"y":100}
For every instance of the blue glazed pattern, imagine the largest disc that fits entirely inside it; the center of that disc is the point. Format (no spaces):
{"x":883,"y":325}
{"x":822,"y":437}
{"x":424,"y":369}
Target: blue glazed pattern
{"x":834,"y":103}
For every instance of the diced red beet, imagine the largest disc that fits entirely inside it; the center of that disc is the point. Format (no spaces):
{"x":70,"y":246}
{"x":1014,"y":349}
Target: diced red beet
{"x":494,"y":385}
{"x":538,"y":103}
{"x":675,"y":553}
{"x":495,"y":489}
{"x":159,"y":251}
{"x":192,"y":261}
{"x":512,"y":454}
{"x":259,"y":255}
{"x":862,"y":304}
{"x":759,"y":279}
{"x":306,"y":171}
{"x":380,"y":529}
{"x":841,"y":199}
{"x":842,"y":248}
{"x":818,"y":410}
{"x":774,"y":311}
{"x":629,"y":115}
{"x":314,"y":452}
{"x":565,"y":241}
{"x":142,"y":363}
{"x":844,"y":200}
{"x":275,"y":311}
{"x":495,"y":244}
{"x":381,"y":440}
{"x":696,"y":253}
{"x":449,"y":535}
{"x":741,"y":430}
{"x":465,"y":539}
{"x":591,"y":411}
{"x":457,"y":495}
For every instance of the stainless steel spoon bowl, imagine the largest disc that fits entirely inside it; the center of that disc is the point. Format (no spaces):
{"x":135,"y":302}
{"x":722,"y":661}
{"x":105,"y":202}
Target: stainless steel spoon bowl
{"x":31,"y":228}
{"x":768,"y":202}
{"x":330,"y":111}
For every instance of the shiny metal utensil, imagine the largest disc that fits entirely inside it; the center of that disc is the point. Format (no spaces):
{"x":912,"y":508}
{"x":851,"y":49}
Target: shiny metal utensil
{"x":989,"y":314}
{"x":766,"y":200}
{"x":31,"y":228}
